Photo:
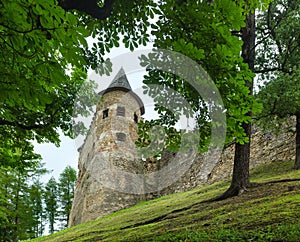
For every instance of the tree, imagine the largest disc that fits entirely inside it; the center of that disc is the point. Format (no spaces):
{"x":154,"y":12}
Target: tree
{"x":67,"y":181}
{"x":40,"y":41}
{"x":240,"y":175}
{"x":278,"y":66}
{"x":6,"y":207}
{"x":277,"y":39}
{"x":51,"y":203}
{"x":281,"y":99}
{"x":15,"y":151}
{"x":214,"y":34}
{"x":21,"y":218}
{"x":35,"y":200}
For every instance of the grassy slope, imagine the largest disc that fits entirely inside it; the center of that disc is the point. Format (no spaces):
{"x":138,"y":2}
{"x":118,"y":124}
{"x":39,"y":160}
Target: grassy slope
{"x":268,"y":212}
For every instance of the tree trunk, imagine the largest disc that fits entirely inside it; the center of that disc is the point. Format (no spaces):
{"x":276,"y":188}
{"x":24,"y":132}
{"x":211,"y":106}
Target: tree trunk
{"x":240,"y":176}
{"x":16,"y":219}
{"x":297,"y":161}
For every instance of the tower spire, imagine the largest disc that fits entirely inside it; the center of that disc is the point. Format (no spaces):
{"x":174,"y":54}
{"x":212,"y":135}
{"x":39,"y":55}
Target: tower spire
{"x":120,"y":81}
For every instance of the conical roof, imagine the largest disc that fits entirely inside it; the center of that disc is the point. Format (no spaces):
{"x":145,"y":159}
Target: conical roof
{"x":120,"y":82}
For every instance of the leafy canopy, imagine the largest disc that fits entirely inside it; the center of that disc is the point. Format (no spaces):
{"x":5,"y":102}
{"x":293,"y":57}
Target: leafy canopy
{"x":40,"y":45}
{"x":208,"y":32}
{"x":278,"y":58}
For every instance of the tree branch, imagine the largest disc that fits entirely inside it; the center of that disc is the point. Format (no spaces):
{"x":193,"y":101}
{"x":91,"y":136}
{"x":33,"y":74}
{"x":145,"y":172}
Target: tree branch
{"x":236,"y":33}
{"x":266,"y":70}
{"x":22,"y":126}
{"x":89,"y":6}
{"x":272,"y":69}
{"x":28,"y":30}
{"x":272,"y":29}
{"x":14,"y":49}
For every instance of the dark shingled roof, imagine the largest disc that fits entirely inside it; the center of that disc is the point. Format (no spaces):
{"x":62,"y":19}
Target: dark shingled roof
{"x":120,"y":82}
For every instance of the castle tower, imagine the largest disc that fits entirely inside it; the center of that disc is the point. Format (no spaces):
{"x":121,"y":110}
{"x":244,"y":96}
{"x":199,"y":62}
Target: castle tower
{"x":112,"y":137}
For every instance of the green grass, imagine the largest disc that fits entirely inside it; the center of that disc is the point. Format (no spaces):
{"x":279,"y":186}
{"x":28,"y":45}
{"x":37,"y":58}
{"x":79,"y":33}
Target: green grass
{"x":267,"y":212}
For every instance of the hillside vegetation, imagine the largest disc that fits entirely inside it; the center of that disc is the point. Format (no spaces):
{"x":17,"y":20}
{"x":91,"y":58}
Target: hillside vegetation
{"x":269,"y":211}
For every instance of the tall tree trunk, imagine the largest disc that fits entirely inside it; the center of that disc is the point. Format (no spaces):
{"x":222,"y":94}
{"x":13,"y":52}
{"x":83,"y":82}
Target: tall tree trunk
{"x":240,"y":176}
{"x":297,"y":161}
{"x":16,"y":219}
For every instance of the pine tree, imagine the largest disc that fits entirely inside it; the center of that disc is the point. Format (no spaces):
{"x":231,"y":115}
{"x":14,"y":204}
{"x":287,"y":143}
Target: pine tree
{"x":21,"y":204}
{"x":36,"y":192}
{"x":51,"y":203}
{"x":67,"y":181}
{"x":6,"y":209}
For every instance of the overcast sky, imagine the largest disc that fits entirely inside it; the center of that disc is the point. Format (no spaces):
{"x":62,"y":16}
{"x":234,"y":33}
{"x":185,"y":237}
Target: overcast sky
{"x":57,"y":158}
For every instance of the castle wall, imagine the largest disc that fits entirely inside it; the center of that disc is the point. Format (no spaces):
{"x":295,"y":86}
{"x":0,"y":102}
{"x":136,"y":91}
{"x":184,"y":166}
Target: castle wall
{"x":93,"y":199}
{"x":265,"y":147}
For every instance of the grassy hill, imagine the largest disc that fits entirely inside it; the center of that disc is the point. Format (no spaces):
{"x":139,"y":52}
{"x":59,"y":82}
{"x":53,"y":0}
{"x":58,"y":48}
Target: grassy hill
{"x":270,"y":211}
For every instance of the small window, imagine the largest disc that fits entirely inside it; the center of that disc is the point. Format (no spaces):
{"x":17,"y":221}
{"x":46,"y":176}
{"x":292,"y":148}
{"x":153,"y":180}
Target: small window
{"x":105,"y":113}
{"x":120,"y":111}
{"x":135,"y":118}
{"x":121,"y":136}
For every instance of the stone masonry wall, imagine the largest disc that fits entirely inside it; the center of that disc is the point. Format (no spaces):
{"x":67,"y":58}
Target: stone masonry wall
{"x":92,"y":200}
{"x":265,"y":147}
{"x":102,"y":151}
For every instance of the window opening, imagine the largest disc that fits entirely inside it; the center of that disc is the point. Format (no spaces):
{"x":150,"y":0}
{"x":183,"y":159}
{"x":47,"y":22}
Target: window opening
{"x":135,"y":118}
{"x":121,"y":111}
{"x":121,"y":137}
{"x":105,"y":113}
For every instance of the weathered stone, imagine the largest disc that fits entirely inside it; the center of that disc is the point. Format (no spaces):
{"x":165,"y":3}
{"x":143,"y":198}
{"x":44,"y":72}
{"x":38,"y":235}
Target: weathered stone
{"x":105,"y":152}
{"x":109,"y":144}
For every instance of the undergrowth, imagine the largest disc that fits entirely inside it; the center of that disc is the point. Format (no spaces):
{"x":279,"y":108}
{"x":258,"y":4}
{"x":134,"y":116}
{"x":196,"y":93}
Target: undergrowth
{"x":267,"y":212}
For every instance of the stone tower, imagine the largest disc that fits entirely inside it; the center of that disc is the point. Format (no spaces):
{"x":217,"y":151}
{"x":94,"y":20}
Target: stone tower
{"x":109,"y":143}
